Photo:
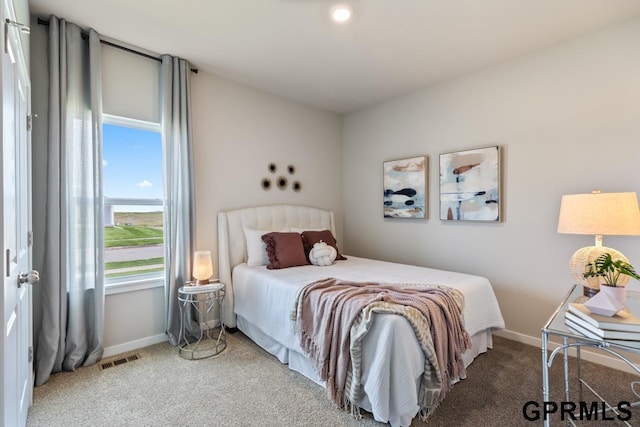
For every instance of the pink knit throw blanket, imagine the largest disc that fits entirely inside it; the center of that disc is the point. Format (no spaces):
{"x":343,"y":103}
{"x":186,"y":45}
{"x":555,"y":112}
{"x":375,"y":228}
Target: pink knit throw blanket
{"x":325,"y":311}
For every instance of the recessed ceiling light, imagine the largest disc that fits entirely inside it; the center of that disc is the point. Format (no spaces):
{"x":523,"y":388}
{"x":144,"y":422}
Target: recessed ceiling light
{"x":341,"y":13}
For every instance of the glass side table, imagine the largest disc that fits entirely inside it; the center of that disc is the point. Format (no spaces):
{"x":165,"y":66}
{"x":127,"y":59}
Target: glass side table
{"x":206,"y":301}
{"x":555,"y":326}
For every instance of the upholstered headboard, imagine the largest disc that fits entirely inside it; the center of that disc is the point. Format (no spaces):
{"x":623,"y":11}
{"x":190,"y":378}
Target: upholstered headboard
{"x":232,"y":248}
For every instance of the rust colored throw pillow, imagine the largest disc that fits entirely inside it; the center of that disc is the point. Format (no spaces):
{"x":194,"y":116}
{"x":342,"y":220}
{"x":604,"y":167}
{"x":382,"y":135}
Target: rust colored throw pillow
{"x":284,"y":250}
{"x":310,"y":238}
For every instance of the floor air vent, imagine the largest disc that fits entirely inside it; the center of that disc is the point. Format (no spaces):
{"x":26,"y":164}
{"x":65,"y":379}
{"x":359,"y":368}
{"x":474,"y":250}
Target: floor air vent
{"x":119,"y":360}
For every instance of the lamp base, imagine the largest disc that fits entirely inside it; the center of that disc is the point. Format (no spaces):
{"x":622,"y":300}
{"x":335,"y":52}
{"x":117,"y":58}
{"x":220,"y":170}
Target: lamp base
{"x":202,"y":282}
{"x":589,"y":292}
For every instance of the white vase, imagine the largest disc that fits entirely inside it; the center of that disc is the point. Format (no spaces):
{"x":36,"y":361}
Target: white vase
{"x":617,"y":292}
{"x":607,"y":301}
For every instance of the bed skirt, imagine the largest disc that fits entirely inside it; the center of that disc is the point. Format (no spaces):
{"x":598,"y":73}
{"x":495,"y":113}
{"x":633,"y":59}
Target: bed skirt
{"x":481,"y":342}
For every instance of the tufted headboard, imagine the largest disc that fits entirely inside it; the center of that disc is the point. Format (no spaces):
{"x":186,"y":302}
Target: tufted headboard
{"x":232,"y":248}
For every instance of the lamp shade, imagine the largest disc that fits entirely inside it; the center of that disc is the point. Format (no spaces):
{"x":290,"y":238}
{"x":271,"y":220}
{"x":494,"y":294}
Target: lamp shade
{"x":615,"y":214}
{"x":202,"y":267}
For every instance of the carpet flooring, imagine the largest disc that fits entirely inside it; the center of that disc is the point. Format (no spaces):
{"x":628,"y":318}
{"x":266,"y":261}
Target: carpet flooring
{"x":246,"y":386}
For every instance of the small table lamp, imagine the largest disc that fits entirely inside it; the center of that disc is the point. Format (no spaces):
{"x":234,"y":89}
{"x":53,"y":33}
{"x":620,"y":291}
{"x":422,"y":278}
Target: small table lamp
{"x":202,"y":268}
{"x":614,"y":214}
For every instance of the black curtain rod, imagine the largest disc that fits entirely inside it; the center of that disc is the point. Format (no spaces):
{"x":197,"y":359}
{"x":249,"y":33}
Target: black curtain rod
{"x":117,"y":46}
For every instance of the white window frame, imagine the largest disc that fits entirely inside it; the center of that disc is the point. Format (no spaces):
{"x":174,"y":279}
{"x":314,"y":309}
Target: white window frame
{"x":136,"y":282}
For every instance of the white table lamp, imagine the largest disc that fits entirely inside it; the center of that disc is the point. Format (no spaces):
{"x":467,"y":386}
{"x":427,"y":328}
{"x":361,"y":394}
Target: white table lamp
{"x":615,"y":214}
{"x":202,"y":267}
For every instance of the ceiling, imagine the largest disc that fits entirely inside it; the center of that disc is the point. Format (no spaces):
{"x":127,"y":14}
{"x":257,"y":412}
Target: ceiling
{"x":390,"y":48}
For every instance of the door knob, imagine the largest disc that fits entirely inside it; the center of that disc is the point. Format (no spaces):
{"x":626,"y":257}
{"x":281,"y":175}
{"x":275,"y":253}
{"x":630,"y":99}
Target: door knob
{"x":31,"y":277}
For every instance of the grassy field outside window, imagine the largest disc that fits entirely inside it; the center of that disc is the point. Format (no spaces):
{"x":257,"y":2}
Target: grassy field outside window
{"x":131,"y":230}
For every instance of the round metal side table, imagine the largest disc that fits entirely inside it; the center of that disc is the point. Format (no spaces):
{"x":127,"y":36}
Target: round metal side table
{"x":206,"y":301}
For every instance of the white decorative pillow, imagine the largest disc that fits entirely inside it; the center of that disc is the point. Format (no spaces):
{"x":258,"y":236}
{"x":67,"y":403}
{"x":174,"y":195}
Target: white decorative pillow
{"x":322,"y":254}
{"x":256,"y":248}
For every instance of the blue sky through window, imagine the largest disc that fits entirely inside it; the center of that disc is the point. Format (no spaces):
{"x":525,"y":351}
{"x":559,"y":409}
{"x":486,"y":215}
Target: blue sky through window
{"x":132,"y":164}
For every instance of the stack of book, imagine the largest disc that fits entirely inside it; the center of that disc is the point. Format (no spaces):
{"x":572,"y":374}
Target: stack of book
{"x":622,"y":326}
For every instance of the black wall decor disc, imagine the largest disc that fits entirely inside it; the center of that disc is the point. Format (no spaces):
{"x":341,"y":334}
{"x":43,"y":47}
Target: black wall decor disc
{"x":282,"y":182}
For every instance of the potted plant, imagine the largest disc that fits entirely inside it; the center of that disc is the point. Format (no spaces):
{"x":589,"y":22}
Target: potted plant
{"x":609,"y":270}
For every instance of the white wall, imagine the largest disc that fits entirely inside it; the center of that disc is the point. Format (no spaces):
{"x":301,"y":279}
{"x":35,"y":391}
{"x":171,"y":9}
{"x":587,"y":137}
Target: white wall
{"x":568,"y":119}
{"x":238,"y":131}
{"x":133,"y":320}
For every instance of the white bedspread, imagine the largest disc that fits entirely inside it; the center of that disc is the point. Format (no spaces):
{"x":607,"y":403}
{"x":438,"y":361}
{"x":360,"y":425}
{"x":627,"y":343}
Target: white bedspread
{"x":264,"y":298}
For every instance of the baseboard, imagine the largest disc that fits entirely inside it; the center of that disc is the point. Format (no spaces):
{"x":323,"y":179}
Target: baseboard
{"x":586,"y":354}
{"x":134,"y":345}
{"x":591,"y":356}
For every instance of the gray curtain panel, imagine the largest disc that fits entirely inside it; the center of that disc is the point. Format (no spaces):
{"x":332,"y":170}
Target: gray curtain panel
{"x":179,"y":212}
{"x":72,"y":275}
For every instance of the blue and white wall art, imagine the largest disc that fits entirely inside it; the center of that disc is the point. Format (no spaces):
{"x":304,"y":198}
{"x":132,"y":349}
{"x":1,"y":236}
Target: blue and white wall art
{"x":470,"y":185}
{"x":405,"y":183}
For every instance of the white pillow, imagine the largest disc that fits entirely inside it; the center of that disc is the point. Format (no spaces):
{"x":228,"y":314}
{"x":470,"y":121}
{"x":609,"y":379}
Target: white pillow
{"x":256,"y":248}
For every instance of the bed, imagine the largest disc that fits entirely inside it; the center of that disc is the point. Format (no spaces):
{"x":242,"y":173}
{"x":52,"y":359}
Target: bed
{"x":259,"y":302}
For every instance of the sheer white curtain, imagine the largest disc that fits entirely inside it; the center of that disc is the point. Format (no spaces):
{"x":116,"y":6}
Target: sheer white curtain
{"x":72,"y":274}
{"x":179,"y":219}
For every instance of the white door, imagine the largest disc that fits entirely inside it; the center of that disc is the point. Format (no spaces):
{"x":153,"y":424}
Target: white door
{"x":17,"y":365}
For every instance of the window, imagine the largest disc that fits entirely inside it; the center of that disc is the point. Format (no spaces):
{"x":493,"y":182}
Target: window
{"x":133,"y":200}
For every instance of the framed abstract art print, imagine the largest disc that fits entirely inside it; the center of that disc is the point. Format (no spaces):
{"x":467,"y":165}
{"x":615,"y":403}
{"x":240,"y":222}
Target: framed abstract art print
{"x":405,"y":188}
{"x":470,"y":185}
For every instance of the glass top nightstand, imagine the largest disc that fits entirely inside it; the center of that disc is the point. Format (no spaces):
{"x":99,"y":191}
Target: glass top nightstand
{"x":210,"y":338}
{"x":556,"y":326}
